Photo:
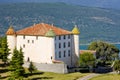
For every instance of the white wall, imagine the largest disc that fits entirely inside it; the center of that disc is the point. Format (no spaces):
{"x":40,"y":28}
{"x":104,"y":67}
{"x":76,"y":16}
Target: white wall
{"x":40,"y":50}
{"x":75,"y":48}
{"x":11,"y":40}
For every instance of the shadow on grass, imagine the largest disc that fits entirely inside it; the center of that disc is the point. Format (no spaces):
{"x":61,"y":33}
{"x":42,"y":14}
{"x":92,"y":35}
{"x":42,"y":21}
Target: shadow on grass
{"x":37,"y":78}
{"x":4,"y":70}
{"x":31,"y":74}
{"x":3,"y":65}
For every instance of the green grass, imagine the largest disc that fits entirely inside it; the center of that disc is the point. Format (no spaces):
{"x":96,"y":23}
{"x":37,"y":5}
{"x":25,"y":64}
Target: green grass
{"x":55,"y":76}
{"x":5,"y":74}
{"x":107,"y":77}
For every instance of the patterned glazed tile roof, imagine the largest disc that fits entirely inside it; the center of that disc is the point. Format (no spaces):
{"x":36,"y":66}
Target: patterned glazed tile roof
{"x":76,"y":30}
{"x":10,"y":31}
{"x":50,"y":33}
{"x":42,"y":29}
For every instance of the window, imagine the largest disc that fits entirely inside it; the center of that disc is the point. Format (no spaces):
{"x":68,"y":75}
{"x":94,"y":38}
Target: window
{"x":64,"y":45}
{"x":59,"y":54}
{"x":24,"y":37}
{"x":64,"y":36}
{"x":64,"y":53}
{"x":28,"y":41}
{"x":59,"y":37}
{"x":68,"y":44}
{"x":59,"y":45}
{"x":68,"y":52}
{"x":68,"y":36}
{"x":23,"y":45}
{"x":36,"y":37}
{"x":55,"y":45}
{"x":32,"y":41}
{"x":28,"y":59}
{"x":51,"y":57}
{"x":55,"y":38}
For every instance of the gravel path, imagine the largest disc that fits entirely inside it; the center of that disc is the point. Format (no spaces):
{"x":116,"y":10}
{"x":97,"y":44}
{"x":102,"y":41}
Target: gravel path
{"x":89,"y":76}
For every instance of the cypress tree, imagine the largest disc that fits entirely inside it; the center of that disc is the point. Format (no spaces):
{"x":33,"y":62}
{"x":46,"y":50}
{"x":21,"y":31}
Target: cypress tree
{"x":16,"y":63}
{"x":31,"y":67}
{"x":4,"y":50}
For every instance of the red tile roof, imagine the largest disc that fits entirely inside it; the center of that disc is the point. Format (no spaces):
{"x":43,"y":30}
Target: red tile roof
{"x":57,"y":61}
{"x":42,"y":29}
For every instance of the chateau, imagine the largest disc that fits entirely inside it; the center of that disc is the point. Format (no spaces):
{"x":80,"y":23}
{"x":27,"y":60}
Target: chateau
{"x":47,"y":44}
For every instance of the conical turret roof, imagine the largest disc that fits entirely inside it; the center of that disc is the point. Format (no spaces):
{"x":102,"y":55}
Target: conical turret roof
{"x":76,"y":30}
{"x":10,"y":31}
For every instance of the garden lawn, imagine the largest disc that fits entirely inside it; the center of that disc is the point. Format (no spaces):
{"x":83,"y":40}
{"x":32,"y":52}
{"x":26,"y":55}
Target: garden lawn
{"x":56,"y":76}
{"x":38,"y":75}
{"x":5,"y":74}
{"x":107,"y":77}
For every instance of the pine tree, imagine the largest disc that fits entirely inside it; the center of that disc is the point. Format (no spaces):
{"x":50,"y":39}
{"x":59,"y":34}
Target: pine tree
{"x":31,"y":67}
{"x":4,"y":50}
{"x":16,"y":63}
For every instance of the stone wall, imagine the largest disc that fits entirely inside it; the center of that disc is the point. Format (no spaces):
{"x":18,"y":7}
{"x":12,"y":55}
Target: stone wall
{"x":57,"y":68}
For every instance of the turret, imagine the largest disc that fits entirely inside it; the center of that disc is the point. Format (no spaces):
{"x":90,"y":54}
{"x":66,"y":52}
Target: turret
{"x":51,"y":44}
{"x":75,"y":40}
{"x":11,"y":38}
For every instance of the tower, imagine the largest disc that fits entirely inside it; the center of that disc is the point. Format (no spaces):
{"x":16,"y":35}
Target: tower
{"x":75,"y":48}
{"x":11,"y":38}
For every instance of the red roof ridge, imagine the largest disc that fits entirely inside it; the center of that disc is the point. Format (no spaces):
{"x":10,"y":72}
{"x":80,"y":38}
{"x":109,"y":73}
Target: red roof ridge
{"x":41,"y":29}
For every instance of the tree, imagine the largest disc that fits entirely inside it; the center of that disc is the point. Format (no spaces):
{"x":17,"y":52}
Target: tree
{"x":16,"y":63}
{"x":31,"y":67}
{"x":104,"y":51}
{"x":116,"y":66}
{"x":87,"y":59}
{"x":4,"y":50}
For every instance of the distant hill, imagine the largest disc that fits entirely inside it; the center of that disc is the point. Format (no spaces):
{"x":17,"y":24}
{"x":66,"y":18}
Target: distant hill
{"x":93,"y":3}
{"x":94,"y":23}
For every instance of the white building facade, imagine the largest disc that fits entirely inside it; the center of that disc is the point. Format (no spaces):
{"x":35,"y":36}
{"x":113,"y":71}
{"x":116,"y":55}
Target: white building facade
{"x":43,"y":43}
